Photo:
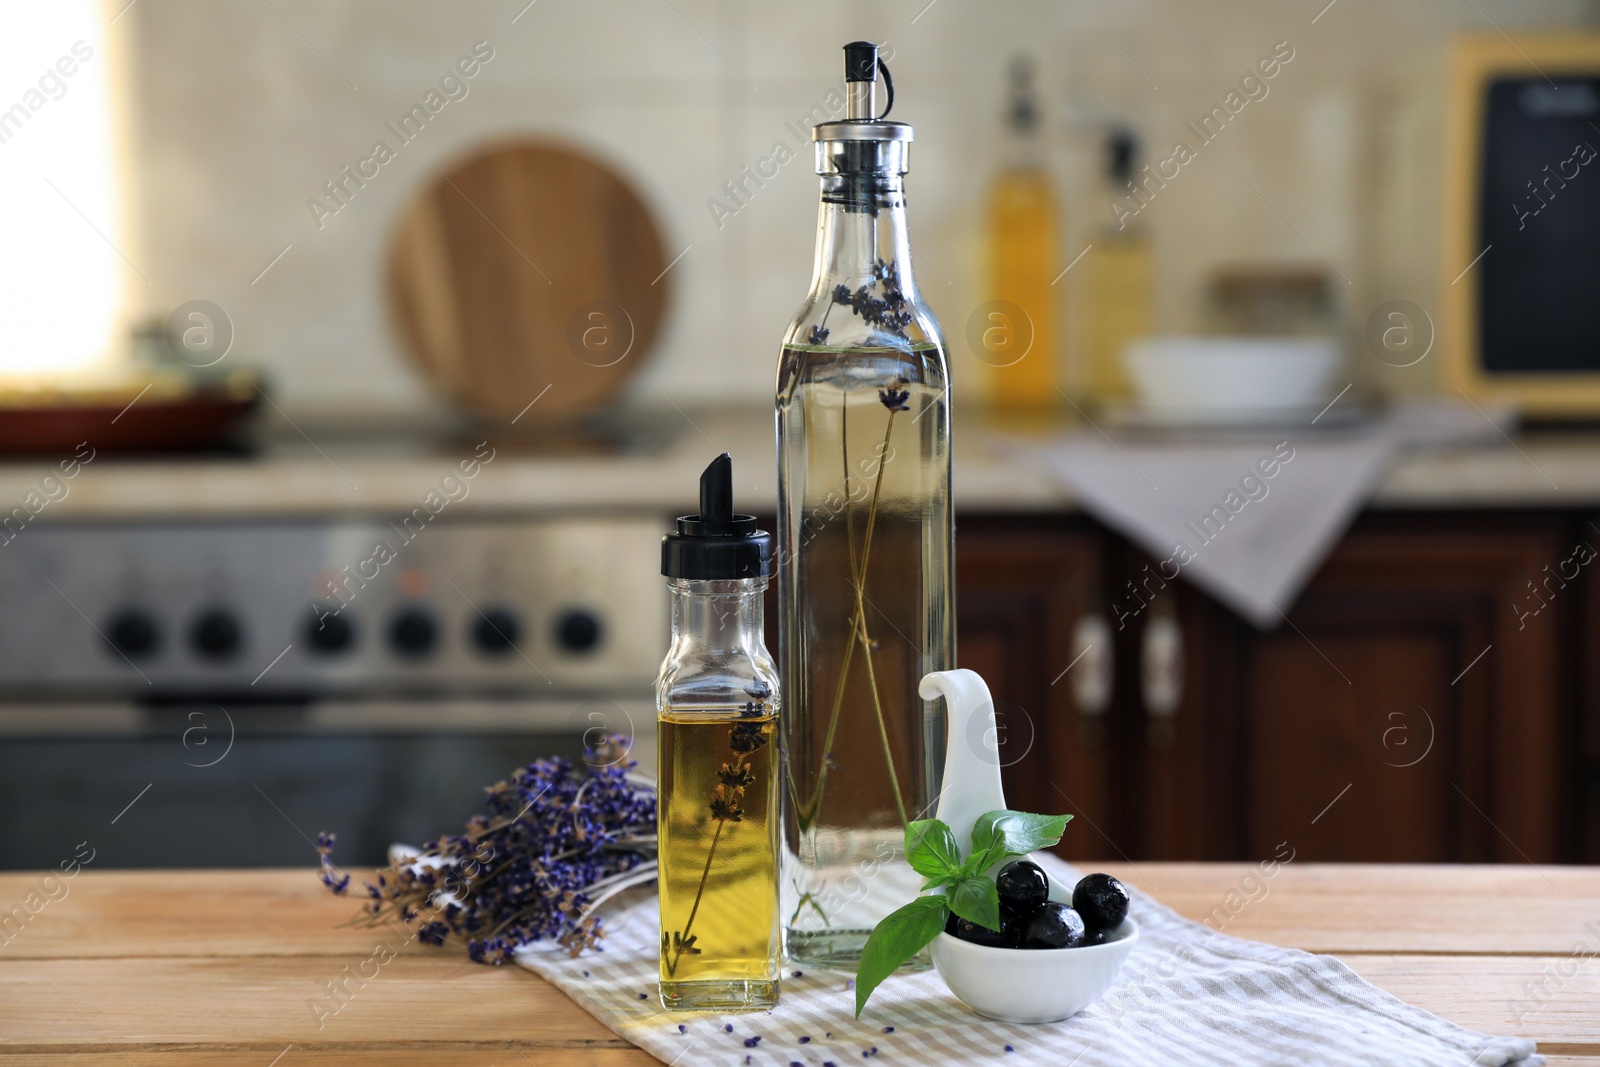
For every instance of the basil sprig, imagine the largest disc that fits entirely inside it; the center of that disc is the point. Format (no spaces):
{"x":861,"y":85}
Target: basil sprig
{"x":952,"y":884}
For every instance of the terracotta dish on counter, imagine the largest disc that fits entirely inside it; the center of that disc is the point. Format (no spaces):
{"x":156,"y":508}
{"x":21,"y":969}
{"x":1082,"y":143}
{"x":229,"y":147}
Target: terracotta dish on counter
{"x":154,"y":411}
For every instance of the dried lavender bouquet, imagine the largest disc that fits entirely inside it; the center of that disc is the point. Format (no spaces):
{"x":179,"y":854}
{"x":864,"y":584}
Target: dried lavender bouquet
{"x":557,"y":841}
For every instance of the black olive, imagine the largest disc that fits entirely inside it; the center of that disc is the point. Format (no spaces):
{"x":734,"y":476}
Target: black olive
{"x":1014,"y":927}
{"x":1054,"y":925}
{"x":967,"y":930}
{"x":1101,"y":900}
{"x":1022,"y":886}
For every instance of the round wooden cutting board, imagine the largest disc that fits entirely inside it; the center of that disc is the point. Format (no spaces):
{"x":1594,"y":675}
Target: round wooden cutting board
{"x":529,"y":271}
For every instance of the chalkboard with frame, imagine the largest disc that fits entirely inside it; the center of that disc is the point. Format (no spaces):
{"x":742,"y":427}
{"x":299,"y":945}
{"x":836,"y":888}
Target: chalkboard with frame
{"x":1521,"y":265}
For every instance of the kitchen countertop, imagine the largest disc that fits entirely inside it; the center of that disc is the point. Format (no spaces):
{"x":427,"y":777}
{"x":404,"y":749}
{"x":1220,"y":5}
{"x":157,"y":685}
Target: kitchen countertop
{"x":220,"y":967}
{"x":328,"y":472}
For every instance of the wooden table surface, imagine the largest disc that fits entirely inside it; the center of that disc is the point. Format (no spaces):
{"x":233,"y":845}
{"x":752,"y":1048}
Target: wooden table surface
{"x":223,"y":967}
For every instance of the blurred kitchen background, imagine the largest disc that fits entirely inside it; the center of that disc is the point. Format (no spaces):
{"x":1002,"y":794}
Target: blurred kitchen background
{"x":231,"y":375}
{"x":229,"y":120}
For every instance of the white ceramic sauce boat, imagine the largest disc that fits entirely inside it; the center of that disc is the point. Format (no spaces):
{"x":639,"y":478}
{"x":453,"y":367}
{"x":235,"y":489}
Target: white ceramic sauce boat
{"x":1008,"y":984}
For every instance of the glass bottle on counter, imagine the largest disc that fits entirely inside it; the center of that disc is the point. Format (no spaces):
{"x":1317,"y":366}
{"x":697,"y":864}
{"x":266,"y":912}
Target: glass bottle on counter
{"x":1022,"y":254}
{"x":1119,"y":278}
{"x":718,"y":766}
{"x":865,"y":589}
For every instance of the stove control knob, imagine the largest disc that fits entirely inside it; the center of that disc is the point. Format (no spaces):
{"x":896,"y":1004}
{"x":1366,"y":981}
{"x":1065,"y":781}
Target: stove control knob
{"x":329,"y":634}
{"x":133,"y":633}
{"x":413,"y":632}
{"x":216,"y":635}
{"x":578,"y":631}
{"x":497,"y":631}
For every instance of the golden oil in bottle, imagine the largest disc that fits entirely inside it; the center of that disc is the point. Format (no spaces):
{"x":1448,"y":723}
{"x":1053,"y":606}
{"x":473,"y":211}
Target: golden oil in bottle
{"x":1023,"y":220}
{"x":717,"y":770}
{"x":718,"y":858}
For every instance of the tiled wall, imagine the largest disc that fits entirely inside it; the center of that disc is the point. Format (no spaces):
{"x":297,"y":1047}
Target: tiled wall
{"x":238,"y":112}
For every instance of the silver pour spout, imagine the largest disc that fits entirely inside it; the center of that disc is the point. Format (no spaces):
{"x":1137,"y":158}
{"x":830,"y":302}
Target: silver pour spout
{"x":861,"y":81}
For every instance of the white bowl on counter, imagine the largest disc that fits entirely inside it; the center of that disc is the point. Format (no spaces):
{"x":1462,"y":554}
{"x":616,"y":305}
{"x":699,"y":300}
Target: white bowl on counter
{"x":1247,"y":377}
{"x":1031,"y":985}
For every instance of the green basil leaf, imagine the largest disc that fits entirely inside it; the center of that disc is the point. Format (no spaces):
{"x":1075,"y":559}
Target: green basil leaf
{"x":931,"y":848}
{"x":983,"y":837}
{"x":972,"y":866}
{"x":998,"y":834}
{"x":975,"y":898}
{"x":897,"y":937}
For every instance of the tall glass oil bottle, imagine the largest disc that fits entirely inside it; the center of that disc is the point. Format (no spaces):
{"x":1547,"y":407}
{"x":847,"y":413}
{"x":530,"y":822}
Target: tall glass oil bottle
{"x":718,"y":770}
{"x":1023,"y":220}
{"x":1119,"y":277}
{"x":865,"y":589}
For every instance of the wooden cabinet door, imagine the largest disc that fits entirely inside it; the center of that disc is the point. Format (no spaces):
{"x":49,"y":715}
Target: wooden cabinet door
{"x":1586,"y":786}
{"x":1023,"y":585}
{"x":1414,"y":707}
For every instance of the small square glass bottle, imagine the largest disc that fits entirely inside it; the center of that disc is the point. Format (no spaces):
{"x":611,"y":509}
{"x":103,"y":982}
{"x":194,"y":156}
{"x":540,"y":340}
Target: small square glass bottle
{"x":717,"y":714}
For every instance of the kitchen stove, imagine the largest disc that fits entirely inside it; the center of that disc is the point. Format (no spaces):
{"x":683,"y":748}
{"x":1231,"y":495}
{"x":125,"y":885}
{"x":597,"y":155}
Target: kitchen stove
{"x":209,"y":692}
{"x":318,"y":608}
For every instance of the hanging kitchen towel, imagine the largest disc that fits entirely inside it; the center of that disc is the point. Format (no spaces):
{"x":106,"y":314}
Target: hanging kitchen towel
{"x":1248,"y":521}
{"x":1187,"y":995}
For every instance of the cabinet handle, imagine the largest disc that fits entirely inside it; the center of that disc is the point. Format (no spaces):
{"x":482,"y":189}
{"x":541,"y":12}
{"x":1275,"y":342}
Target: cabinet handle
{"x":1161,"y":675}
{"x":1091,"y":667}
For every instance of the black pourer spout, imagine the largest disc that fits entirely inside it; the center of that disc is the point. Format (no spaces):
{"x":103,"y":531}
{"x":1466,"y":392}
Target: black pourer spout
{"x":718,"y":543}
{"x":716,"y":493}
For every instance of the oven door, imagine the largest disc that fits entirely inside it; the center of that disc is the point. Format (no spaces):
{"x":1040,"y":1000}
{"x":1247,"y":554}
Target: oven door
{"x":202,"y":785}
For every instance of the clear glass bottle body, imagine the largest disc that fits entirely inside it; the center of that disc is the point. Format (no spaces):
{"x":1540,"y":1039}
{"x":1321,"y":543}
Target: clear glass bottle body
{"x":718,"y":778}
{"x":865,"y":588}
{"x":1119,"y":308}
{"x":1118,"y":282}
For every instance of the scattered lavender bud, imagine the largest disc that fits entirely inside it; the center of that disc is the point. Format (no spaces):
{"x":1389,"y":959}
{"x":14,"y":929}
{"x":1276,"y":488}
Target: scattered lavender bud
{"x":799,"y":974}
{"x":586,"y":974}
{"x":682,"y":1029}
{"x":805,"y":1041}
{"x":728,"y":1029}
{"x":1010,"y":1049}
{"x":888,"y":1029}
{"x":644,"y":996}
{"x":751,"y":1042}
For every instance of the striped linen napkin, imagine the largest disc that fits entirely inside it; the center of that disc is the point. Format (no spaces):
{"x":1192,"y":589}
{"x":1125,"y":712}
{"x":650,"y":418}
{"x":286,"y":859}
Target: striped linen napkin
{"x":1186,"y":996}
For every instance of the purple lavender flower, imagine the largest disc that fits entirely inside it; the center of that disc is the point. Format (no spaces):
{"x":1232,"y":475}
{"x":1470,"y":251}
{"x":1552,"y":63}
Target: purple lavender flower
{"x":554,"y":840}
{"x":330,"y":875}
{"x":895,"y":396}
{"x":818,"y":335}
